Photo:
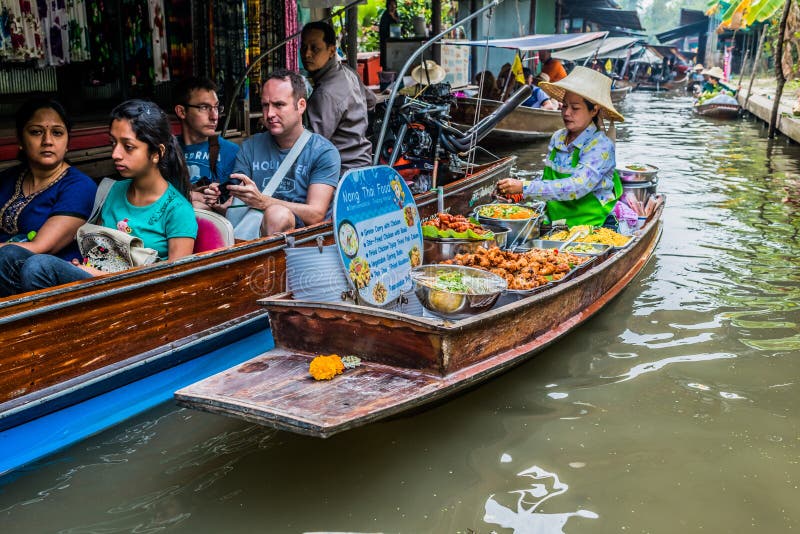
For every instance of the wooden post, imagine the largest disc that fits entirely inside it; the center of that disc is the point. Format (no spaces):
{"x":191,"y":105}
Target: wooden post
{"x":755,"y":62}
{"x":351,"y":20}
{"x":473,"y":35}
{"x":532,"y":18}
{"x":779,"y":70}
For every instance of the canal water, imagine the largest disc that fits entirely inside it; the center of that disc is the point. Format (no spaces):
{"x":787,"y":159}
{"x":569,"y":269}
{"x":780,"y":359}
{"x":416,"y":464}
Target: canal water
{"x":673,"y":410}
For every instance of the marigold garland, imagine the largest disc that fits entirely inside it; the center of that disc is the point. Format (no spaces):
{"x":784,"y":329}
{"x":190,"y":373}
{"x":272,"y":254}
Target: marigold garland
{"x":326,"y":367}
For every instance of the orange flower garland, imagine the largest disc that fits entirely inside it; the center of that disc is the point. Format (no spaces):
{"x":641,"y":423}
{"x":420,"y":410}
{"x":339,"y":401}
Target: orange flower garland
{"x":326,"y":367}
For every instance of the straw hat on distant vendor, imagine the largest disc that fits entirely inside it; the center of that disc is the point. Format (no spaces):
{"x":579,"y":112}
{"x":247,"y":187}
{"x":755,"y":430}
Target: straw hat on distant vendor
{"x":714,"y":72}
{"x":428,"y":73}
{"x":589,"y":84}
{"x":699,"y":67}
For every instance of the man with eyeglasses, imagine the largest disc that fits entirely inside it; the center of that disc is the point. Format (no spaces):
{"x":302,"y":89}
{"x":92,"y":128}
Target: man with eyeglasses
{"x":209,"y":157}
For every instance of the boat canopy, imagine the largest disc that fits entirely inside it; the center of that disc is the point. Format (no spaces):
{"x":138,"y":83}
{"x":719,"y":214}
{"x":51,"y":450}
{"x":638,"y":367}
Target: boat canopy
{"x":541,"y":41}
{"x":649,"y":57}
{"x":601,"y":49}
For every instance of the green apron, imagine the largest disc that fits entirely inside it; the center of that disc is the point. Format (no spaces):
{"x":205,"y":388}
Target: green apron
{"x":585,"y":210}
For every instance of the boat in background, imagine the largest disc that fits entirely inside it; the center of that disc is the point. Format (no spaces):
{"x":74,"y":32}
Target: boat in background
{"x":521,"y":125}
{"x":718,"y":111}
{"x":407,"y":361}
{"x":618,"y":94}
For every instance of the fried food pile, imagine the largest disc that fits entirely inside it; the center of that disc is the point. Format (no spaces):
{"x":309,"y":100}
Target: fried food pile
{"x":457,"y":223}
{"x":527,"y":270}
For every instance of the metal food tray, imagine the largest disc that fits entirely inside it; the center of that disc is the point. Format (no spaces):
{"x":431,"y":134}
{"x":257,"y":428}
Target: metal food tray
{"x":612,"y":247}
{"x":512,"y":295}
{"x":599,"y":249}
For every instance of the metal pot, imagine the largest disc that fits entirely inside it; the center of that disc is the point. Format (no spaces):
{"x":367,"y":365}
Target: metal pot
{"x":437,"y":250}
{"x":641,"y":190}
{"x":648,"y":174}
{"x":451,"y":305}
{"x":516,"y":226}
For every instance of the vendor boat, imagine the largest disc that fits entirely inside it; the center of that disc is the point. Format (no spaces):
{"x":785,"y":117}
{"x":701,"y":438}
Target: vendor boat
{"x":718,"y":111}
{"x":407,"y":361}
{"x":618,"y":94}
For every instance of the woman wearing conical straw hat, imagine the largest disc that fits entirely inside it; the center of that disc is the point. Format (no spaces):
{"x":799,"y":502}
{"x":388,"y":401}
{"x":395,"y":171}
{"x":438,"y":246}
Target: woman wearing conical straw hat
{"x":580,"y":183}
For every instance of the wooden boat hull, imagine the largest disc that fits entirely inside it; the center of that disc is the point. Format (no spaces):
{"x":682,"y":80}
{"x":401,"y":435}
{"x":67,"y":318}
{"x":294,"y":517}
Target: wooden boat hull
{"x":718,"y":111}
{"x":69,"y":343}
{"x":521,"y":125}
{"x":409,"y":360}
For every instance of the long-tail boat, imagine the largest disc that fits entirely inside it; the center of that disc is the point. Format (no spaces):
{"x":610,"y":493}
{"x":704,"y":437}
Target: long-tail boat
{"x":718,"y":111}
{"x":61,"y":344}
{"x":407,"y":360}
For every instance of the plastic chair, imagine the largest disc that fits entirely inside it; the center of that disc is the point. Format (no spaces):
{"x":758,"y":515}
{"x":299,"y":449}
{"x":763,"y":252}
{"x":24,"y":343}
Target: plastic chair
{"x":213,"y":231}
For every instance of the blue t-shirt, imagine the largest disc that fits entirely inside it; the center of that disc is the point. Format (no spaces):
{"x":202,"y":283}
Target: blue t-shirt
{"x":72,"y":195}
{"x":197,"y":160}
{"x":155,"y":224}
{"x":318,"y":163}
{"x":537,"y":98}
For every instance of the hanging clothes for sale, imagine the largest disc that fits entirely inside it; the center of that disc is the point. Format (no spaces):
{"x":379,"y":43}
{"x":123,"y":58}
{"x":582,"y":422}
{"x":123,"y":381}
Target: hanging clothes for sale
{"x":137,"y":45}
{"x":53,"y":16}
{"x":179,"y":37}
{"x":21,"y":34}
{"x":104,"y":58}
{"x":290,"y":28}
{"x":78,"y":31}
{"x":160,"y":45}
{"x":254,"y":19}
{"x":229,"y":42}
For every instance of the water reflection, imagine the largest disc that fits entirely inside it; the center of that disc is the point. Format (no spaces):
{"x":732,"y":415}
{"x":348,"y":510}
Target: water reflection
{"x":522,"y":516}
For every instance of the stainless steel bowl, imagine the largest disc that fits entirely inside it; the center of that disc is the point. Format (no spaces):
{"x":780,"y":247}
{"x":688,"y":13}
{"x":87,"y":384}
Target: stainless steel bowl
{"x":517,"y":226}
{"x":437,"y":250}
{"x":649,"y":174}
{"x":641,"y":190}
{"x":452,"y":305}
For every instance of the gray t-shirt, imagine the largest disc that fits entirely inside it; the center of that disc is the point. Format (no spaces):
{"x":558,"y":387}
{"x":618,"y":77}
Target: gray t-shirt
{"x":318,"y":163}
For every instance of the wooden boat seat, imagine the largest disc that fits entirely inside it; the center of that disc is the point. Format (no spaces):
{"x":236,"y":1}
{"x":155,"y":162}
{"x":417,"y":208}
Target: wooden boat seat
{"x":213,"y":231}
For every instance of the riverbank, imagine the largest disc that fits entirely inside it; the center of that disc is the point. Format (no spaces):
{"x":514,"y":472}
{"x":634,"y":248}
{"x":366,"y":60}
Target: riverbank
{"x":761,"y":101}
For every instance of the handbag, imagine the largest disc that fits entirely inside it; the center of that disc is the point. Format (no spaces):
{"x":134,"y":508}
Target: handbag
{"x":112,"y":250}
{"x":247,"y":221}
{"x":108,"y":249}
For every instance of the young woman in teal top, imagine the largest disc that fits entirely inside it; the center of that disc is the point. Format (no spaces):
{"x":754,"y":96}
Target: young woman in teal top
{"x":151,"y":202}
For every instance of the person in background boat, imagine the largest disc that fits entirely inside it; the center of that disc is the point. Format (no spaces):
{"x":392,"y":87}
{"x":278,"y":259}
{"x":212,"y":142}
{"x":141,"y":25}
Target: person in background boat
{"x":714,"y":83}
{"x":487,"y":85}
{"x":389,"y":18}
{"x":197,"y":107}
{"x":150,"y":202}
{"x":425,"y":74}
{"x":338,"y":105}
{"x":44,"y":200}
{"x":696,"y":79}
{"x":580,"y":183}
{"x":303,"y":197}
{"x":538,"y":99}
{"x":552,"y":67}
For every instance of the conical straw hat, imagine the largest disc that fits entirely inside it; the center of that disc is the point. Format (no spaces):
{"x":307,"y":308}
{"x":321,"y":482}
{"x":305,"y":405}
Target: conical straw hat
{"x":699,"y":66}
{"x":435,"y":74}
{"x":714,"y":72}
{"x":589,"y":84}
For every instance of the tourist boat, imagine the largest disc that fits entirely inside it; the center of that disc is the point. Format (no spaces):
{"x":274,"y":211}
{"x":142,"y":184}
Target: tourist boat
{"x":521,"y":125}
{"x":407,"y":361}
{"x":60,"y":341}
{"x":717,"y":111}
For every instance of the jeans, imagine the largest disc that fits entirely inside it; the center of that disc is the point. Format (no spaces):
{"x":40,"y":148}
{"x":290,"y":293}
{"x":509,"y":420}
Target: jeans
{"x":21,"y":270}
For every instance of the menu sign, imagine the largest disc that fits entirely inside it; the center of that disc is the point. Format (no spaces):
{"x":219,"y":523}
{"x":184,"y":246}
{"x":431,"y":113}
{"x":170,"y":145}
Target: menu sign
{"x":377,"y":229}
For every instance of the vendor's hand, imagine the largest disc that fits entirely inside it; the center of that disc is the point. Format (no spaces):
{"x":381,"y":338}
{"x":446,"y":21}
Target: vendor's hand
{"x":248,"y":192}
{"x":509,"y":186}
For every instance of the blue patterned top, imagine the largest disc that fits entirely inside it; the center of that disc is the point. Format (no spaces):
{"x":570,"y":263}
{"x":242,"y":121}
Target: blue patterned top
{"x":593,"y":173}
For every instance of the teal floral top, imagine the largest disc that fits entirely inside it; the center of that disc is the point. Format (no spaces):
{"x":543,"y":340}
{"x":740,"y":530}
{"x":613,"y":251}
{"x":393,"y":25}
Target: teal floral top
{"x":593,"y":173}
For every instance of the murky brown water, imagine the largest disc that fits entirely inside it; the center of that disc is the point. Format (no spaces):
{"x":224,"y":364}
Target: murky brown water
{"x":673,"y":410}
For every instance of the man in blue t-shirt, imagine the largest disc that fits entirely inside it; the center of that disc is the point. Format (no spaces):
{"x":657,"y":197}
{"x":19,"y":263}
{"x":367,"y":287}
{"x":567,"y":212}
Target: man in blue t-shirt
{"x":538,"y":98}
{"x":198,"y":108}
{"x":304,"y":195}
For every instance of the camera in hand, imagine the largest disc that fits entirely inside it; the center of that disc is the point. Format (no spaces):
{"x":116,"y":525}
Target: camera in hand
{"x":224,"y":194}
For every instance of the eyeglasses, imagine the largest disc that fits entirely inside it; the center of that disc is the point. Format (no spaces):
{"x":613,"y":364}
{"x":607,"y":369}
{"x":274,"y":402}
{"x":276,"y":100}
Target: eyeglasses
{"x":206,"y":108}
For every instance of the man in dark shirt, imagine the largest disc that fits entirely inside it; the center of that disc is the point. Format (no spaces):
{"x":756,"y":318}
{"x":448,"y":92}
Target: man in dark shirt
{"x":337,"y":108}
